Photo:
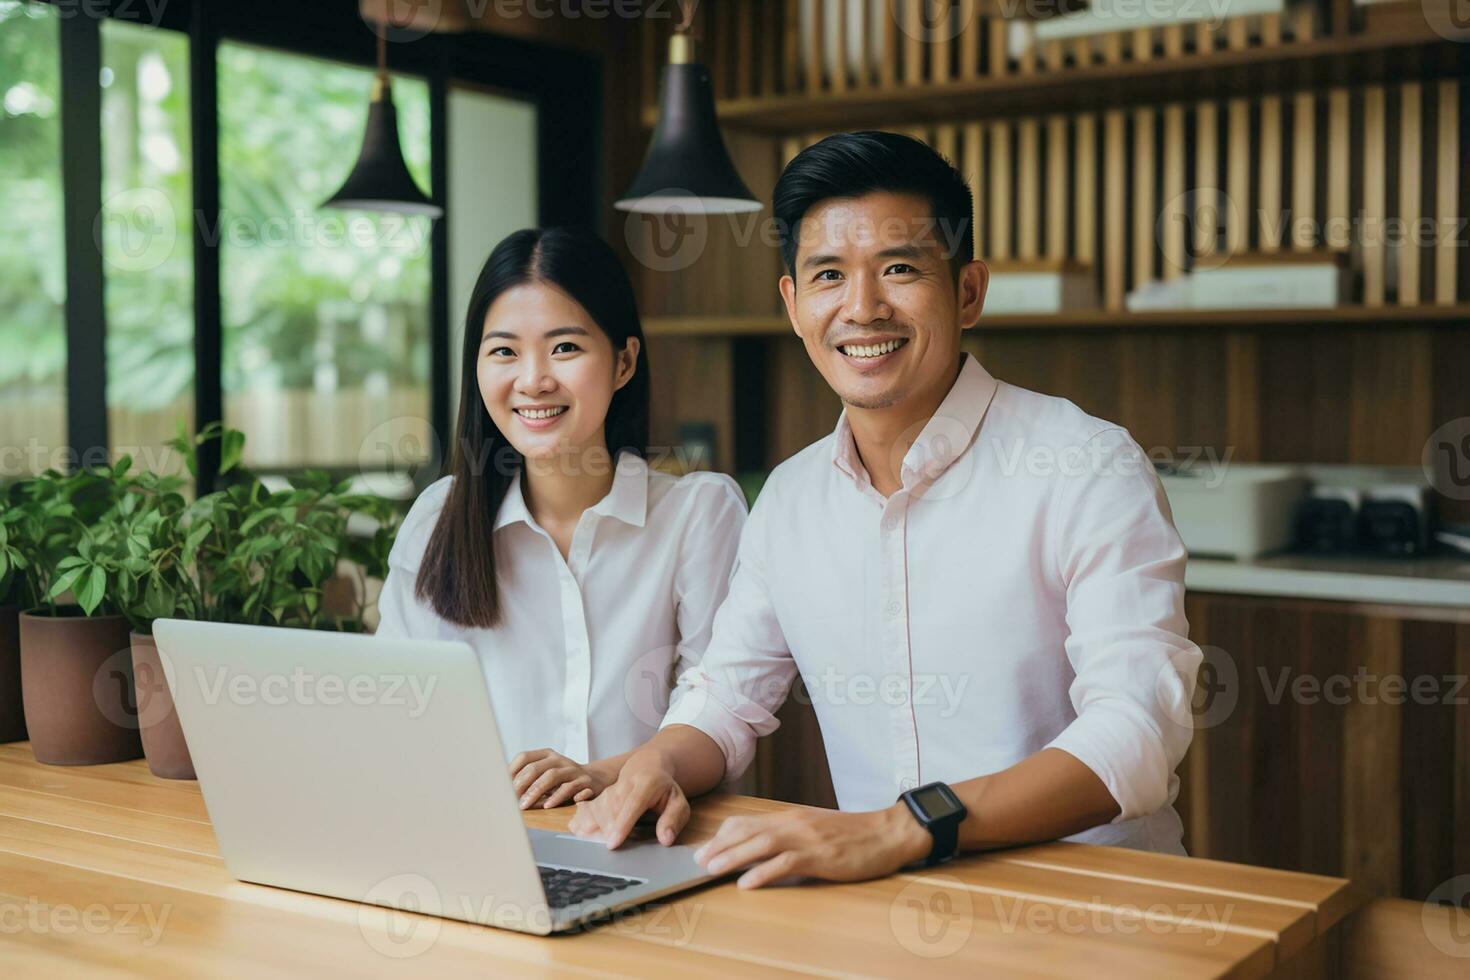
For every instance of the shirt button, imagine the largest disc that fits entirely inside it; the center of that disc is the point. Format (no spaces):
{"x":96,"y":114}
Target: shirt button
{"x":906,"y":784}
{"x":893,"y":607}
{"x":890,"y":523}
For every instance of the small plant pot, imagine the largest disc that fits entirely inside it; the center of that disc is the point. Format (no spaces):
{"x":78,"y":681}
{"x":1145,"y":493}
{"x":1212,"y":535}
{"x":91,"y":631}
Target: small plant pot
{"x":77,"y":684}
{"x":12,"y":707}
{"x":163,"y":738}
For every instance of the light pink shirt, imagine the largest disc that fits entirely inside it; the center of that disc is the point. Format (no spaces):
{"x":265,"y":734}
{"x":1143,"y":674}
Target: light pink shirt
{"x":1023,"y":589}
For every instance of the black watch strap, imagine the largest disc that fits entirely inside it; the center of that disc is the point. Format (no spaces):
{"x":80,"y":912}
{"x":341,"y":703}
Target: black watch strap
{"x":946,"y":835}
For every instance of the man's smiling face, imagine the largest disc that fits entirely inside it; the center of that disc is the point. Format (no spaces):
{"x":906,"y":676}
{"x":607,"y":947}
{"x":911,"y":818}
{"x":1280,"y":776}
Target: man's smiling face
{"x":874,"y":297}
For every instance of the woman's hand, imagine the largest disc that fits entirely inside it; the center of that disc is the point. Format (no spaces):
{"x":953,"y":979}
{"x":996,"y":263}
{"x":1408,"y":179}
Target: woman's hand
{"x":551,"y":779}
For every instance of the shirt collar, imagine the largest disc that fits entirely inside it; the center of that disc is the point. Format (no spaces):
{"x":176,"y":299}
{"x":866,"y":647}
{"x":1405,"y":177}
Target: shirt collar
{"x":945,"y":436}
{"x":627,"y":500}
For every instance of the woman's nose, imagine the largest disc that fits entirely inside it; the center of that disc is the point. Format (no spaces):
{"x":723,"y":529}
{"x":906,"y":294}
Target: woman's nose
{"x":535,"y":376}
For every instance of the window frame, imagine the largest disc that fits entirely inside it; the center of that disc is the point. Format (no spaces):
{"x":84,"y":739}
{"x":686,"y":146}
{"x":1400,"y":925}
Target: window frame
{"x":564,"y":85}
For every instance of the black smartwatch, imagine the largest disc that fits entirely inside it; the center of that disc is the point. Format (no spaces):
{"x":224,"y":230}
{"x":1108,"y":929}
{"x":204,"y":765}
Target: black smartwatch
{"x":940,"y":812}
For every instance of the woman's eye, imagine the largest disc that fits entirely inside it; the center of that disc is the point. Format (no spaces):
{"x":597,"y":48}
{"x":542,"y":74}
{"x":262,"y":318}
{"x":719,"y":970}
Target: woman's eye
{"x":501,"y":352}
{"x":565,"y":347}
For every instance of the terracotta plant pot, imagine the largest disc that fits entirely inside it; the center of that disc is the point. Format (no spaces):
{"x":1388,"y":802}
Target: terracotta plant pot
{"x":158,"y":722}
{"x":12,"y":711}
{"x":77,"y":680}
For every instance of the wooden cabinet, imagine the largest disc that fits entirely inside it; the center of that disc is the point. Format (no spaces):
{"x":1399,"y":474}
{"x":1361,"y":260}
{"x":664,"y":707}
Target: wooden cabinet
{"x":1333,"y":738}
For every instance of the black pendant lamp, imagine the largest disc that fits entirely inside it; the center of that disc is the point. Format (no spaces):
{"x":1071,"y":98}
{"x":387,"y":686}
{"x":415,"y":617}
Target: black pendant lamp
{"x":380,"y":180}
{"x":687,"y":168}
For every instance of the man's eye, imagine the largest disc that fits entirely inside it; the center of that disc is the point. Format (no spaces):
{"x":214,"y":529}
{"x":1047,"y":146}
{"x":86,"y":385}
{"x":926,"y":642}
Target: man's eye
{"x":565,"y":347}
{"x":819,"y":276}
{"x":902,"y":268}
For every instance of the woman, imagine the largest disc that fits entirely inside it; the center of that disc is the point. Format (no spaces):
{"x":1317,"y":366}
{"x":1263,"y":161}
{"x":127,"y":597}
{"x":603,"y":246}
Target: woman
{"x":584,"y":580}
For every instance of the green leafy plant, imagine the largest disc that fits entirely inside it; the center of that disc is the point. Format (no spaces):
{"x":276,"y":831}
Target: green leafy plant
{"x":242,"y":554}
{"x":45,"y":520}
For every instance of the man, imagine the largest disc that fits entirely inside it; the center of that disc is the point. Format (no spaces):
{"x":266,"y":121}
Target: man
{"x":981,"y":586}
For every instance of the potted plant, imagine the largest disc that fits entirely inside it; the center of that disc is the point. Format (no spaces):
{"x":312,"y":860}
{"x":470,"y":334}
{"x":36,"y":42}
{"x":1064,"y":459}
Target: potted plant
{"x":14,"y":597}
{"x":76,"y":671}
{"x":242,"y":554}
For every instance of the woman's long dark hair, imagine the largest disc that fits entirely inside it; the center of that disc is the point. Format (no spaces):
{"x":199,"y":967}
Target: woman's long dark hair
{"x":457,"y":575}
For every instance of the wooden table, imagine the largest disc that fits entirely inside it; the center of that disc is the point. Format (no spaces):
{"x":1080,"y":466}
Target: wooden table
{"x":107,"y":870}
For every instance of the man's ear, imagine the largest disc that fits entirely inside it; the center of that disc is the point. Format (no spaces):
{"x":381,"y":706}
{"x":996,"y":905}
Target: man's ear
{"x":787,"y":286}
{"x":626,"y":363}
{"x":974,"y":280}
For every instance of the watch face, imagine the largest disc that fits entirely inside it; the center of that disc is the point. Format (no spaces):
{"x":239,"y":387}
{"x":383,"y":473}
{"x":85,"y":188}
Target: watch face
{"x":936,"y":801}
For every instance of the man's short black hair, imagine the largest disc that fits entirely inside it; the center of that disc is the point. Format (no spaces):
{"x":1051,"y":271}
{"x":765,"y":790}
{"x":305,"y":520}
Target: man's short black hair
{"x":854,"y":164}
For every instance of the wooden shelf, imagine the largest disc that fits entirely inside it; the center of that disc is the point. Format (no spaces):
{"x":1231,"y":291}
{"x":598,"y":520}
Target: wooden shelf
{"x":1388,"y":316}
{"x":1398,"y":54}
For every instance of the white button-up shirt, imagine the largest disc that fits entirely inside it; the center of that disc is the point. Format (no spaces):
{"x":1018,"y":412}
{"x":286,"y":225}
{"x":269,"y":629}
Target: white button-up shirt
{"x":589,"y":646}
{"x":1023,"y":589}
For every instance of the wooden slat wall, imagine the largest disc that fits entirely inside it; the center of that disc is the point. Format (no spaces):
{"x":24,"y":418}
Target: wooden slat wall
{"x":1148,"y":231}
{"x":908,"y":42}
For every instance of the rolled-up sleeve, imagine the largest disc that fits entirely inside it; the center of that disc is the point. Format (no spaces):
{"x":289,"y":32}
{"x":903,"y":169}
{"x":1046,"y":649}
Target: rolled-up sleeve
{"x":734,"y":691}
{"x":1122,"y":562}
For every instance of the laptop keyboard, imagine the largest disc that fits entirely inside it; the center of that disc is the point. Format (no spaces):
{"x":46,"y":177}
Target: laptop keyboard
{"x":565,"y":887}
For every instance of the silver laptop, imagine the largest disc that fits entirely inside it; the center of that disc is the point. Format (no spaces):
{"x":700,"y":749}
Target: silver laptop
{"x":372,"y":770}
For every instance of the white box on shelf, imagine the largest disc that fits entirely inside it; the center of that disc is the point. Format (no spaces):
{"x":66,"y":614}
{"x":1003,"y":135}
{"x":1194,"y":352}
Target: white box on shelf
{"x":1039,"y":286}
{"x":1107,"y":16}
{"x":1235,"y":510}
{"x":1274,"y":281}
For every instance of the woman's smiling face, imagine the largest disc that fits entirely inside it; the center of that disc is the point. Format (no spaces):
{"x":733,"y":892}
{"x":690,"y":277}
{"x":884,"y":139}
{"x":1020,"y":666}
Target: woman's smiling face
{"x":547,"y":372}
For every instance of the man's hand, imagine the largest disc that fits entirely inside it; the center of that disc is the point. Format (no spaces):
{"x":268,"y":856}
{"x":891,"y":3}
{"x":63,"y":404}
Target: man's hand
{"x":826,"y":844}
{"x":551,"y":779}
{"x":646,"y":784}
